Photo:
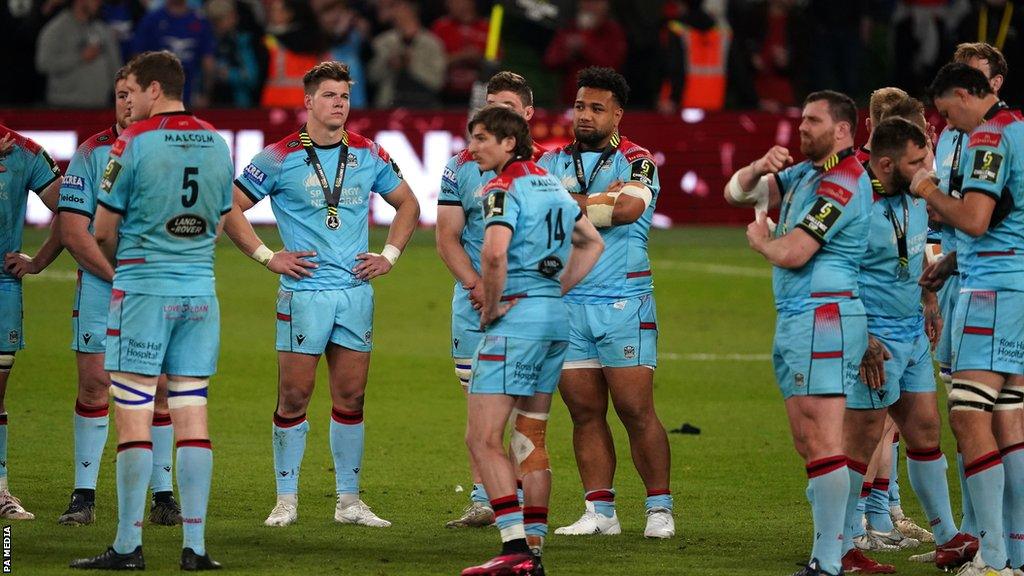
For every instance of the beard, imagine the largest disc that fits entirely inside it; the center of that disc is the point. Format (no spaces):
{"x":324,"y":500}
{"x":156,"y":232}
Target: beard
{"x":900,"y":183}
{"x":591,"y":139}
{"x":817,"y":149}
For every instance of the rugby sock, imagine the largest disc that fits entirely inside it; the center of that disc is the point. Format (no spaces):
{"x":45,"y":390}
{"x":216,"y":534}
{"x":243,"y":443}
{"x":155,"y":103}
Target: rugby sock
{"x":985,"y":477}
{"x":91,"y":426}
{"x":1013,"y":505}
{"x":3,"y":450}
{"x":877,"y":506}
{"x":603,"y":501}
{"x":195,"y":468}
{"x":894,"y":476}
{"x":927,"y":472}
{"x":289,"y":446}
{"x":536,"y":520}
{"x":479,"y":494}
{"x":967,"y":525}
{"x":862,"y":501}
{"x":508,"y":517}
{"x":347,"y":449}
{"x":134,"y":465}
{"x":830,"y":484}
{"x":852,"y":522}
{"x":658,"y":499}
{"x":519,"y":492}
{"x":163,"y":454}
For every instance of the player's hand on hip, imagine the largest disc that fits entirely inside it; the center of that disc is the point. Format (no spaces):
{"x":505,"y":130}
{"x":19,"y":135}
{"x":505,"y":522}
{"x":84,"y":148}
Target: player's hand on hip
{"x":872,"y":366}
{"x":476,"y":295}
{"x":18,"y":265}
{"x":773,"y":161}
{"x":491,"y":314}
{"x":293,"y":264}
{"x":371,"y":266}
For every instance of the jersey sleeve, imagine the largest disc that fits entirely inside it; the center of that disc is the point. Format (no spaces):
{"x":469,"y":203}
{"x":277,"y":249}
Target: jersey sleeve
{"x":501,"y":207}
{"x":388,"y":175}
{"x":77,"y":189}
{"x":985,"y":164}
{"x":42,"y":172}
{"x":259,"y":178}
{"x":118,"y":178}
{"x":830,"y":212}
{"x":449,"y":195}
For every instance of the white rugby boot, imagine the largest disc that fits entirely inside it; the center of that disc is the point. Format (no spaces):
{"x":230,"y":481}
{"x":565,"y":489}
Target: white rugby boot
{"x":660,"y":523}
{"x":357,"y":512}
{"x":592,"y":523}
{"x":285,"y":512}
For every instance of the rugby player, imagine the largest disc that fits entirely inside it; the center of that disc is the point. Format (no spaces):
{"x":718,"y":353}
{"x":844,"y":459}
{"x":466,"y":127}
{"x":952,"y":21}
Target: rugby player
{"x":613,"y":324}
{"x":988,"y":323}
{"x":24,"y":166}
{"x":821,"y":329}
{"x":537,"y":246}
{"x":159,"y":232}
{"x":319,"y":180}
{"x":76,"y":209}
{"x":460,"y":233}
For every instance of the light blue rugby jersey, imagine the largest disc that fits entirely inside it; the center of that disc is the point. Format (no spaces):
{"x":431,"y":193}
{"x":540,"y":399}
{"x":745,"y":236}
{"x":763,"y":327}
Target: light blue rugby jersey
{"x":892,"y":303}
{"x":78,"y":187}
{"x":541,"y":215}
{"x":283,"y":172}
{"x":624,"y":269}
{"x":26,"y":167}
{"x":833,"y":205}
{"x":993,"y":164}
{"x":945,"y":152}
{"x":169,"y":177}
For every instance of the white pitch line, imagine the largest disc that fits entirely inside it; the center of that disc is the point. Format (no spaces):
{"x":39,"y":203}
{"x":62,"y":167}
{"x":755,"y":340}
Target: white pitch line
{"x":54,"y":276}
{"x":720,"y":269}
{"x":706,"y":357}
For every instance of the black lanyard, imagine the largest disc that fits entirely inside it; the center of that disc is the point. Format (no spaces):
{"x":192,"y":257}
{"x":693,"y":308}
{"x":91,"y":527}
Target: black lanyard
{"x":900,"y":230}
{"x":331,"y":195}
{"x":577,"y":160}
{"x":956,"y":179}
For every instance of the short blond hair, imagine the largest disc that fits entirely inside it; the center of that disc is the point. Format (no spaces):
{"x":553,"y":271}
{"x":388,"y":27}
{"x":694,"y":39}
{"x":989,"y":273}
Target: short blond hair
{"x":882,"y":100}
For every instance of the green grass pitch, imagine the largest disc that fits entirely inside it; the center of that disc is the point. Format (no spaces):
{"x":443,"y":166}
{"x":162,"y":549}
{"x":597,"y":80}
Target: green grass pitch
{"x":739,"y":485}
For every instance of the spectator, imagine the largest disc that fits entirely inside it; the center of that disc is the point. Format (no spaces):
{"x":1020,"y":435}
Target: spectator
{"x":79,"y":55}
{"x":696,"y":49}
{"x":1001,"y":24}
{"x":239,"y":57}
{"x":592,"y":39}
{"x":122,"y":16}
{"x":346,"y":35}
{"x":185,"y":32}
{"x":295,"y":44}
{"x":464,"y":34}
{"x":408,"y":61}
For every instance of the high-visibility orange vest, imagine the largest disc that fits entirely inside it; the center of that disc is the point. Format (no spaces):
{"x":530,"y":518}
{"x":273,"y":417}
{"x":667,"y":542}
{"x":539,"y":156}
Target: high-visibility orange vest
{"x":284,"y":75}
{"x":707,"y":52}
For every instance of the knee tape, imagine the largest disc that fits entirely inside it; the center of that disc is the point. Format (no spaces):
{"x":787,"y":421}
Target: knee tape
{"x":527,"y":443}
{"x":463,"y":370}
{"x":1010,"y":398}
{"x":6,"y":362}
{"x":968,"y":395}
{"x":182,"y":393}
{"x":129,"y":394}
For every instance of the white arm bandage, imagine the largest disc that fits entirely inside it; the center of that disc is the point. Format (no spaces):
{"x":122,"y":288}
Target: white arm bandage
{"x":759,"y":193}
{"x":638,"y":191}
{"x":391,"y":253}
{"x":262,"y":254}
{"x":600,"y":214}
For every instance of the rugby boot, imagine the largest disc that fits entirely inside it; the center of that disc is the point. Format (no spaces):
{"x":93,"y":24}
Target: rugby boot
{"x":11,"y":508}
{"x":80,"y":511}
{"x":813,"y":568}
{"x":476,"y":515}
{"x":165,"y":510}
{"x":111,"y":560}
{"x":957,"y":552}
{"x":857,"y":561}
{"x":192,"y":562}
{"x":515,"y":564}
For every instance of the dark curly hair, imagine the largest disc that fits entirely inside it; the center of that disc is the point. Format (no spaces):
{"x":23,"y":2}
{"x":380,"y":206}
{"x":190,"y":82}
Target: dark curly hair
{"x":503,"y":123}
{"x":604,"y":79}
{"x":959,"y":75}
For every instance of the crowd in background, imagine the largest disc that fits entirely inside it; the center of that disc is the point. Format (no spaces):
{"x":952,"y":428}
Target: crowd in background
{"x":711,"y":54}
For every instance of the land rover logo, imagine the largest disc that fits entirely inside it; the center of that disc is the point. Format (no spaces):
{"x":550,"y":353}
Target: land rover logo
{"x":186,"y":226}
